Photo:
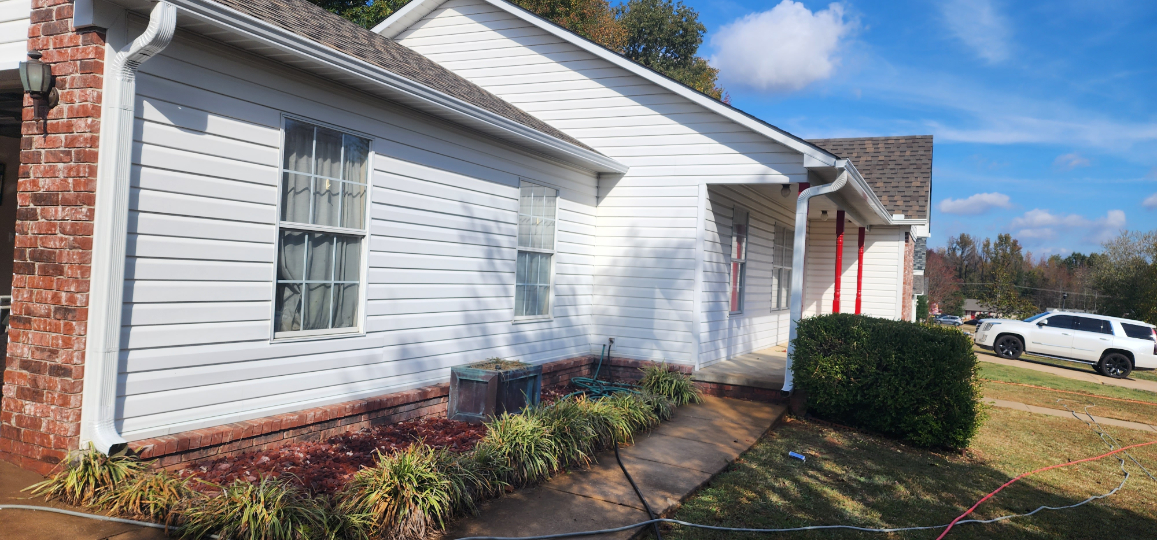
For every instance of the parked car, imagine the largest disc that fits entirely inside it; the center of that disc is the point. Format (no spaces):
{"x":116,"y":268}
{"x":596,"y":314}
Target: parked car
{"x":1113,"y":345}
{"x":949,"y":319}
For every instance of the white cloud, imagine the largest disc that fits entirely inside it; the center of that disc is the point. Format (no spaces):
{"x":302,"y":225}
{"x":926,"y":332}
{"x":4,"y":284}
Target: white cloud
{"x":976,"y":204}
{"x":1068,"y":162}
{"x":1150,"y":202}
{"x":980,"y":26}
{"x":783,"y":49}
{"x":1042,"y":225}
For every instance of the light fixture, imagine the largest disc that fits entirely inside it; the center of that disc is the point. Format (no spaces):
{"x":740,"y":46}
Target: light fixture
{"x":36,"y":76}
{"x":785,"y":190}
{"x":824,"y":215}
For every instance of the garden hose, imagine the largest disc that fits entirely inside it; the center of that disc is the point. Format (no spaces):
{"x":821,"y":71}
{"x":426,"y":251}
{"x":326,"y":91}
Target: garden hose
{"x":650,"y":513}
{"x":595,"y":388}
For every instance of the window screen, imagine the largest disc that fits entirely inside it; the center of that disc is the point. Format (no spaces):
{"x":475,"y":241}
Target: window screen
{"x":323,"y":215}
{"x":537,"y":211}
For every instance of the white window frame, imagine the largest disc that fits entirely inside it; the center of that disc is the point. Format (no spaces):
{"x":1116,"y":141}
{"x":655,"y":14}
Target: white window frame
{"x":553,"y":252}
{"x":782,"y":243}
{"x":363,"y":262}
{"x":742,"y":283}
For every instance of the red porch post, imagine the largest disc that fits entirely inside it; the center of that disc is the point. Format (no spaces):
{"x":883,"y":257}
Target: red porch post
{"x":860,"y":272}
{"x":839,"y":258}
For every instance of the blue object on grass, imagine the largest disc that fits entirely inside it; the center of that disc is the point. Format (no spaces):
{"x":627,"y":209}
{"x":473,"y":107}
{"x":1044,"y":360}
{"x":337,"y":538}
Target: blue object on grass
{"x":795,"y":455}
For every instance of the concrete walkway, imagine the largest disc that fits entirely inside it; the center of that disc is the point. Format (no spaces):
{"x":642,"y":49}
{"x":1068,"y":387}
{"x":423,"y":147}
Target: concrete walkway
{"x":1005,"y":404}
{"x":668,"y":464}
{"x":33,"y":525}
{"x":1076,"y":372}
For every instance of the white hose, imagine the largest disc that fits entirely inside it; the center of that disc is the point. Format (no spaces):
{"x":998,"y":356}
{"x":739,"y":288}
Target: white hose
{"x":80,"y":514}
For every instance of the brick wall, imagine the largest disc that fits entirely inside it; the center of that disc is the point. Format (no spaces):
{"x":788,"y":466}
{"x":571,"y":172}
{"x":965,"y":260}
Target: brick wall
{"x":44,"y":371}
{"x":906,"y":296}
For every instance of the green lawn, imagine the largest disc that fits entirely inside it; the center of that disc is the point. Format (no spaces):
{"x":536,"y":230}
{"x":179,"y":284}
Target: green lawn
{"x":858,"y":479}
{"x":1121,"y":410}
{"x":998,"y":372}
{"x":1144,"y":375}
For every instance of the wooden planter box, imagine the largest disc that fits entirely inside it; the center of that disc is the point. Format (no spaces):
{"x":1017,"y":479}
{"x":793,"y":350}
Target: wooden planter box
{"x":480,"y":393}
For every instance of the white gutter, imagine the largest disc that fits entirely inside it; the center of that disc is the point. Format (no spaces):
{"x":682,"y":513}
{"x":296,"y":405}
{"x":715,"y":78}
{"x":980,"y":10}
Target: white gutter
{"x":110,"y":231}
{"x":797,"y":261}
{"x":279,"y":38}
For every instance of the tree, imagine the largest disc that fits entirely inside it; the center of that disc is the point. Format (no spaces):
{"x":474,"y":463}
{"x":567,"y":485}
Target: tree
{"x":922,"y":307}
{"x":1005,"y":263}
{"x":943,"y":285}
{"x":362,"y":12}
{"x":1127,"y":274}
{"x":591,"y":19}
{"x":665,"y":37}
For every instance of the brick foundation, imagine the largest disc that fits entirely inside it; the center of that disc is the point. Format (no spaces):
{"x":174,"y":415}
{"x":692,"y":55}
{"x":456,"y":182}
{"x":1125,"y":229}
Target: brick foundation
{"x":40,"y":413}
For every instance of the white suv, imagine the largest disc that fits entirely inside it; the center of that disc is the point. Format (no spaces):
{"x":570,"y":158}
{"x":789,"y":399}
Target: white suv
{"x":1115,"y":346}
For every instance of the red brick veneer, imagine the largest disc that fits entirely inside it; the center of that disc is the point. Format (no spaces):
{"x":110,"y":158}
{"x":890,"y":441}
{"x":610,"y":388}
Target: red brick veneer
{"x":40,"y":414}
{"x":906,"y":296}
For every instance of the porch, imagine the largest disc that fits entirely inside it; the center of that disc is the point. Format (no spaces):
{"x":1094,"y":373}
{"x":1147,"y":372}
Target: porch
{"x":763,"y":369}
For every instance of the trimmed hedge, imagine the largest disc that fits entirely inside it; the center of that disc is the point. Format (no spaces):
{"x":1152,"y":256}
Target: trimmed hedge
{"x":911,"y":381}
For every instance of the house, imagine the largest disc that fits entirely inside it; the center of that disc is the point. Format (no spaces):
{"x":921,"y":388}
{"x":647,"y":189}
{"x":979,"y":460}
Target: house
{"x":246,"y":221}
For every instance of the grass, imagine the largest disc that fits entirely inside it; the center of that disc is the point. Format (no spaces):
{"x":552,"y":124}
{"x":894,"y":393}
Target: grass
{"x":1075,"y":366}
{"x":272,"y":509}
{"x":998,"y":372}
{"x":675,"y":385}
{"x":88,"y":476}
{"x":1121,"y":410}
{"x":404,"y":496}
{"x":864,"y":480}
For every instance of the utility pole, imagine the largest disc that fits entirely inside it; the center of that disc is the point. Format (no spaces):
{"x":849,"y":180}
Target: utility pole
{"x":1064,"y":296}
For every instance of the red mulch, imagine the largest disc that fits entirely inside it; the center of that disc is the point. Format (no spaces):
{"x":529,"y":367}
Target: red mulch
{"x":324,"y":467}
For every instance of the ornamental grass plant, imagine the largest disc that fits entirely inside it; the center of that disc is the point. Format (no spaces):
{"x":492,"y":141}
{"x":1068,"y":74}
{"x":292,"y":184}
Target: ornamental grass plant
{"x":525,"y":444}
{"x":405,"y":496}
{"x":87,"y":476}
{"x":148,"y":496}
{"x":271,"y":509}
{"x":662,"y":380}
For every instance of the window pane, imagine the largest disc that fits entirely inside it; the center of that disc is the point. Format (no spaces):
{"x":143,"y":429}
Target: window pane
{"x":549,"y":203}
{"x":525,"y":230}
{"x":317,"y":306}
{"x":349,"y":254}
{"x":357,"y":153}
{"x":519,"y":300}
{"x":735,"y":273}
{"x":295,"y":198}
{"x":1060,"y":321}
{"x":298,"y":146}
{"x":287,"y":317}
{"x":345,"y":306}
{"x":319,"y":259}
{"x":328,"y":149}
{"x":353,"y":206}
{"x":543,"y":300}
{"x":326,"y":194}
{"x":291,"y":257}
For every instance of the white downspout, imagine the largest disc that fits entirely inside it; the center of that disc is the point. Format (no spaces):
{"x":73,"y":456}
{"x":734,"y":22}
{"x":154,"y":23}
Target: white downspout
{"x":799,"y":244}
{"x":110,"y":231}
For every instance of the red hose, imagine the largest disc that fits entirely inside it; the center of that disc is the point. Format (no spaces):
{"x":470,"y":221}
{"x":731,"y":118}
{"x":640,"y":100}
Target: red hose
{"x":1050,"y":467}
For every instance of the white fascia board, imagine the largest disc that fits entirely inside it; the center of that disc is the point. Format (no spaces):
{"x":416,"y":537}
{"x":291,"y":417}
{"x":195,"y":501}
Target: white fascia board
{"x":452,"y":108}
{"x":399,"y":21}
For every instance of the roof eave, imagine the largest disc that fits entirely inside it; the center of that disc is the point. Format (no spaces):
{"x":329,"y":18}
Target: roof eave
{"x":449,"y":107}
{"x":400,"y":20}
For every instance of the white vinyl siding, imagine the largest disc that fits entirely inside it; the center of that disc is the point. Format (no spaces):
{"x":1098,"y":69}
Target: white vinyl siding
{"x":726,"y":334}
{"x":440,"y":251}
{"x":14,"y":22}
{"x":883,"y":258}
{"x":645,"y":264}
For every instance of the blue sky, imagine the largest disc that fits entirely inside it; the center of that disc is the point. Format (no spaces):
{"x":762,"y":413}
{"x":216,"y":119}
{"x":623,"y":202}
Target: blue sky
{"x":1044,"y":113}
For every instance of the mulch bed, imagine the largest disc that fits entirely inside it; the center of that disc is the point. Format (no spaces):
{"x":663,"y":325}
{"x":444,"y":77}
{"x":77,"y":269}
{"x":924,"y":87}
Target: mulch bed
{"x":326,"y":466}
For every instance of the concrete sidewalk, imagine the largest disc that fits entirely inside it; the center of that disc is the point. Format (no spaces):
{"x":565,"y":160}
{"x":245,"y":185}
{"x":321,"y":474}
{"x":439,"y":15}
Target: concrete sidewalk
{"x":1076,"y":372}
{"x":668,"y":464}
{"x":33,"y":525}
{"x":1005,"y":404}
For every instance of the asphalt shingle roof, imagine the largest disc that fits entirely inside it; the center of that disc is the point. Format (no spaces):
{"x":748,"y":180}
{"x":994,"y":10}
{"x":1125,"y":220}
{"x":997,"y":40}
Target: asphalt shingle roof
{"x":899,"y":169}
{"x":314,"y":23}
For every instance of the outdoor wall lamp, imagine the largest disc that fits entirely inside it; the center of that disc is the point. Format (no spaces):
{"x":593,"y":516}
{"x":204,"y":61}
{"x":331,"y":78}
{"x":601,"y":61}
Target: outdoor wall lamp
{"x":824,"y":215}
{"x":36,"y":76}
{"x":785,"y":190}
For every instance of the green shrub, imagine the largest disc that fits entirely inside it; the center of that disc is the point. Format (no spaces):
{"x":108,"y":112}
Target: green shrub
{"x":638,"y":412}
{"x":676,"y":385}
{"x":571,"y":426}
{"x":922,"y":307}
{"x":404,"y":496}
{"x":149,"y":496}
{"x":272,"y":509}
{"x":88,"y":475}
{"x":525,"y":444}
{"x":907,"y":380}
{"x":473,"y":476}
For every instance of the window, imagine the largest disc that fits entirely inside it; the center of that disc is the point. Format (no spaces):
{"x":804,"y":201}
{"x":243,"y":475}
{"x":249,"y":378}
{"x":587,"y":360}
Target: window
{"x":537,"y":208}
{"x":739,"y":223}
{"x":1064,"y":322}
{"x":1089,"y":324}
{"x":321,"y":231}
{"x":1139,"y":332}
{"x":781,"y":256}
